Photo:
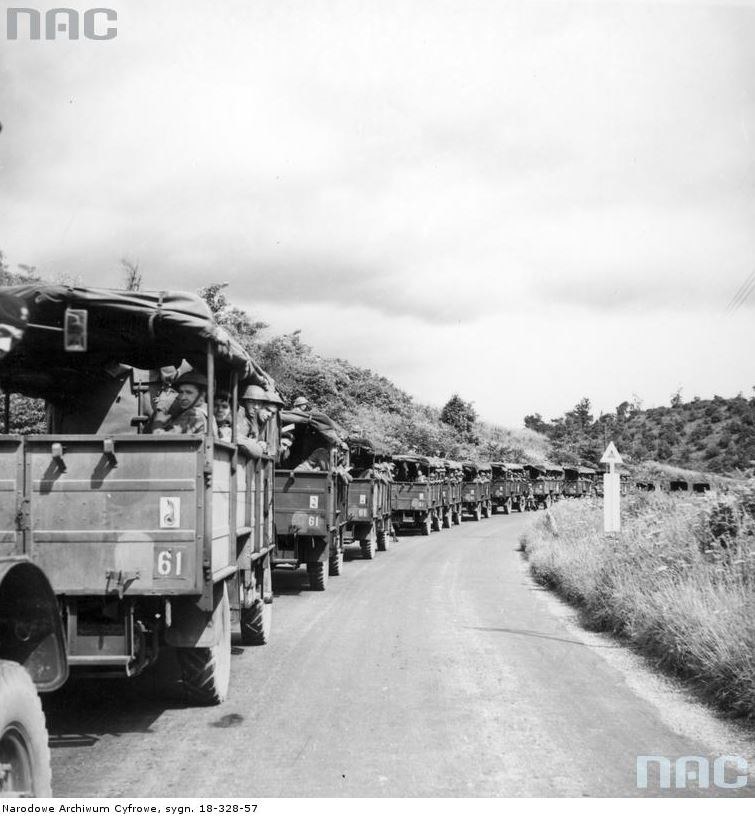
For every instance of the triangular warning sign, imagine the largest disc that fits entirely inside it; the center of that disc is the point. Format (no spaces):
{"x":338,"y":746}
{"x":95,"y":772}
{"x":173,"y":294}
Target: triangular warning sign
{"x":611,"y":455}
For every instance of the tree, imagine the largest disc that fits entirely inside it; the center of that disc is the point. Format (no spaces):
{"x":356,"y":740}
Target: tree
{"x":537,"y":424}
{"x":132,"y":277}
{"x":459,"y":414}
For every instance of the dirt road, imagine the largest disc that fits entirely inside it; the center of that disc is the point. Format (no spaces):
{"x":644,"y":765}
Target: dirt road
{"x":437,"y":669}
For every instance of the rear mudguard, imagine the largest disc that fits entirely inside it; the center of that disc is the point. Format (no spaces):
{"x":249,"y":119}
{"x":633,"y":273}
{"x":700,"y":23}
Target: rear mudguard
{"x":31,"y":632}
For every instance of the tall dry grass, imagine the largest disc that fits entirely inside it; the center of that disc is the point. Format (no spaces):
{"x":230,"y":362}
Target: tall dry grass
{"x":678,"y":582}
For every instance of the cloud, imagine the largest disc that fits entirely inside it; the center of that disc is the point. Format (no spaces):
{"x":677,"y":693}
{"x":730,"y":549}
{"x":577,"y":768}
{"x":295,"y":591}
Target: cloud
{"x":458,"y":168}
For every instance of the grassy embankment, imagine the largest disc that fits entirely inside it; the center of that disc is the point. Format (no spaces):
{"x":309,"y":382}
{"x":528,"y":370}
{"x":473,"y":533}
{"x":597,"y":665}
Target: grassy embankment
{"x":678,"y":583}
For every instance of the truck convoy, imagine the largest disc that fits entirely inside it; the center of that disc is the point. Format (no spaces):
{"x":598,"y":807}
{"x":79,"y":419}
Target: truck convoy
{"x":141,"y":528}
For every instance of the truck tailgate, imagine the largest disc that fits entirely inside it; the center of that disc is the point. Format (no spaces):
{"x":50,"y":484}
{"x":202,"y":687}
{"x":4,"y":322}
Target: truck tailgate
{"x":119,"y":514}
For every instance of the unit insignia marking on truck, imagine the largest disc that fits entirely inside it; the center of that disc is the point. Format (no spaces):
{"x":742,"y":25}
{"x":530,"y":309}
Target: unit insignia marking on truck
{"x":170,"y":513}
{"x":313,"y":501}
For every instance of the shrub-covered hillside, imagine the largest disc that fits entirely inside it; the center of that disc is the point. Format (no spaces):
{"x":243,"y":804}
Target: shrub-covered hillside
{"x":361,"y":400}
{"x":715,"y":435}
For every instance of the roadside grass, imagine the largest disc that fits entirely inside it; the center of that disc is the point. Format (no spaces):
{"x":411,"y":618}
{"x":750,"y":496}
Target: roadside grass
{"x":678,"y":582}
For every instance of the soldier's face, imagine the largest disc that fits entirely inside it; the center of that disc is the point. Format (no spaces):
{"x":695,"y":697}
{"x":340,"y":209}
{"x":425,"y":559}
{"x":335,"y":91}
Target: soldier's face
{"x":222,"y":410}
{"x":188,"y":395}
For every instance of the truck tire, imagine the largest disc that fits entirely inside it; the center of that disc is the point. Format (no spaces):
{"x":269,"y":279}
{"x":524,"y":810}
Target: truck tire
{"x":368,"y":547}
{"x":435,"y":522}
{"x":477,"y":514}
{"x":382,"y":541}
{"x":24,"y":755}
{"x":257,"y":621}
{"x":206,"y":671}
{"x":447,"y":520}
{"x":426,"y":525}
{"x":317,"y":572}
{"x":456,"y":517}
{"x":336,"y":563}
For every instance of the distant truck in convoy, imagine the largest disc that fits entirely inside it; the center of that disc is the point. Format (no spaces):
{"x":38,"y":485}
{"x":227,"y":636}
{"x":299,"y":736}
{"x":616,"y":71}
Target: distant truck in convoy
{"x":312,"y":497}
{"x":369,"y":502}
{"x":476,"y":500}
{"x":417,"y":493}
{"x":509,"y":487}
{"x":546,"y":482}
{"x":452,"y":486}
{"x":579,"y":481}
{"x":149,"y":541}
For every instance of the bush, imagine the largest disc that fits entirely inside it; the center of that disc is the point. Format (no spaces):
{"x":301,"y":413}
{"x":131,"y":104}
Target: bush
{"x":678,"y":583}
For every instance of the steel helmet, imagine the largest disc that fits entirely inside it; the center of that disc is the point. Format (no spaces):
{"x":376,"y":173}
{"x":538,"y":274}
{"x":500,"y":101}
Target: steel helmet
{"x":301,"y":400}
{"x":252,"y":392}
{"x":193,"y":377}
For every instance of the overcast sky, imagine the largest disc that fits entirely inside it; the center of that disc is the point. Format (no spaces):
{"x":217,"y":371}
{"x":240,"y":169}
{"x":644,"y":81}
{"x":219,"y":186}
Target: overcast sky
{"x":522,"y":202}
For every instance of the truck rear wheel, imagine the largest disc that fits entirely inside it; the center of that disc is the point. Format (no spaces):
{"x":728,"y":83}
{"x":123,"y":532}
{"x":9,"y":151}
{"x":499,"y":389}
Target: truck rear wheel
{"x":477,"y":514}
{"x":24,"y":755}
{"x":426,"y":525}
{"x":368,"y":547}
{"x":382,"y":541}
{"x":336,"y":563}
{"x":447,"y":520}
{"x":257,"y":621}
{"x":206,"y":671}
{"x":317,"y":572}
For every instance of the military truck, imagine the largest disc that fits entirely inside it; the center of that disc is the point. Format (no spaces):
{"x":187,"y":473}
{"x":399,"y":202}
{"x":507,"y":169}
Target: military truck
{"x":312,"y":497}
{"x":151,"y":542}
{"x":579,"y":481}
{"x":369,"y":503}
{"x":546,"y":481}
{"x":452,"y":483}
{"x":417,"y":493}
{"x":476,"y":500}
{"x":509,"y":487}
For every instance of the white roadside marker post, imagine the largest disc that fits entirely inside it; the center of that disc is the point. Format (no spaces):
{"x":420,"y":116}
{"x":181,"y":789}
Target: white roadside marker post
{"x":611,"y":490}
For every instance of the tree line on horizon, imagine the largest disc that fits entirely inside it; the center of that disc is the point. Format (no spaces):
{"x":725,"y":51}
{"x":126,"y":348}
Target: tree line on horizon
{"x":714,"y":435}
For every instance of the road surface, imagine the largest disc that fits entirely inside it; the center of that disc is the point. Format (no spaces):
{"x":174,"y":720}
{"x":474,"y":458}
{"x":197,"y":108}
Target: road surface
{"x":437,"y":669}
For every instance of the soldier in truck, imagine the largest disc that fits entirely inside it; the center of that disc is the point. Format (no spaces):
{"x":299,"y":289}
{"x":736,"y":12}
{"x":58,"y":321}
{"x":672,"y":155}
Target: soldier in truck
{"x":188,"y":414}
